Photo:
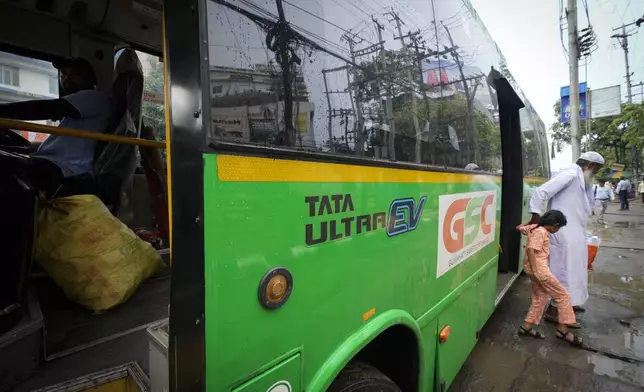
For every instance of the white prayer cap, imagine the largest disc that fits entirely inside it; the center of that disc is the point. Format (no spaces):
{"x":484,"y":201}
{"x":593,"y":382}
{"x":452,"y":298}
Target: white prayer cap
{"x":472,"y":166}
{"x":592,"y":156}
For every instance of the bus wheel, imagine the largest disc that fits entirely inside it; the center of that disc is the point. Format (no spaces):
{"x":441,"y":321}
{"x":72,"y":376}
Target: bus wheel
{"x":360,"y":376}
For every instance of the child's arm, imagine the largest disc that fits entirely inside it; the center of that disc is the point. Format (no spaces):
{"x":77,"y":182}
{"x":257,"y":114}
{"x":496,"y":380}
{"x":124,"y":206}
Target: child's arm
{"x":530,"y":252}
{"x":524,"y":228}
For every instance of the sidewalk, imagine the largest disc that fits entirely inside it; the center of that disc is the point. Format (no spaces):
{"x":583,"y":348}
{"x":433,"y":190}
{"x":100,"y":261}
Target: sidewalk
{"x":613,"y":326}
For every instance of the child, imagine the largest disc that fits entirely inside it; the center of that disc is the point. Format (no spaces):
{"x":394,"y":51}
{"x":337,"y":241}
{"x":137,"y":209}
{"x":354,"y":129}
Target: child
{"x":544,"y":283}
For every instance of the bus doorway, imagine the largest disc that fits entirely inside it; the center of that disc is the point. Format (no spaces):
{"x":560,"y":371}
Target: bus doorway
{"x":53,"y":335}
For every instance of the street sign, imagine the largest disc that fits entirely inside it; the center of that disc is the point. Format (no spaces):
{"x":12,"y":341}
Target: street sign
{"x":606,"y":102}
{"x":565,"y":102}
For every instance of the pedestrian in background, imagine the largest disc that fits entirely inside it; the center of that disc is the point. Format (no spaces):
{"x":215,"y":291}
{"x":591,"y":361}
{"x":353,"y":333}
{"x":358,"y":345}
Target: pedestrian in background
{"x":623,"y":189}
{"x":571,"y":192}
{"x":604,"y":194}
{"x":544,"y":283}
{"x":640,"y":189}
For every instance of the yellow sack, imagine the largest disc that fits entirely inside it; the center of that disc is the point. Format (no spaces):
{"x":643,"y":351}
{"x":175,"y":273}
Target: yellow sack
{"x":96,"y":259}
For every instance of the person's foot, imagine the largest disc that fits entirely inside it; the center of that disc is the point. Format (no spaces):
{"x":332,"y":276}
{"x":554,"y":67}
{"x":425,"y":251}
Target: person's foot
{"x":569,"y":337}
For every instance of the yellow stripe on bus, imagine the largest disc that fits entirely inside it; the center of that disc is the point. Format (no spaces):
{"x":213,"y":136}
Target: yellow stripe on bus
{"x":253,"y":169}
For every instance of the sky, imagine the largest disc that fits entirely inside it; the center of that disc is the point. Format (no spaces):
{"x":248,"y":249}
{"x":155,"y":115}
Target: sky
{"x":527,"y":33}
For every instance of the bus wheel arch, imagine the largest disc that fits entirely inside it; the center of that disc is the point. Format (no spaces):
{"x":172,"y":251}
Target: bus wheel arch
{"x":390,"y":343}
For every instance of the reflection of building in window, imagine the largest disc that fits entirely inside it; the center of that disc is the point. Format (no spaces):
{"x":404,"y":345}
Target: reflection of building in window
{"x":248,"y":105}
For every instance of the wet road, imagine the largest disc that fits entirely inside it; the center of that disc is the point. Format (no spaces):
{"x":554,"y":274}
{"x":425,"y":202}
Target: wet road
{"x":613,"y":327}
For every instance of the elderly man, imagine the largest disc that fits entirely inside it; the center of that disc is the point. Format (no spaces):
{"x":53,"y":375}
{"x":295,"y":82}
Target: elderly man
{"x":570,"y":192}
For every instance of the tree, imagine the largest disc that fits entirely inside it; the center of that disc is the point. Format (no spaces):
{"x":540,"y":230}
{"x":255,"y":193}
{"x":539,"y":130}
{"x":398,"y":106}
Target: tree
{"x":154,"y":114}
{"x":620,"y":139}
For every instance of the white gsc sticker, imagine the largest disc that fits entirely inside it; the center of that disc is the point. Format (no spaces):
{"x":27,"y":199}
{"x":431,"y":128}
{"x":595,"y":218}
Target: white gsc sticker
{"x":280,"y":386}
{"x":466,"y":224}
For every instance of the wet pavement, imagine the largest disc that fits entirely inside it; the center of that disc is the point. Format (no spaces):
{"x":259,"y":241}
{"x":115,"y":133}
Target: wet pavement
{"x":613,"y":326}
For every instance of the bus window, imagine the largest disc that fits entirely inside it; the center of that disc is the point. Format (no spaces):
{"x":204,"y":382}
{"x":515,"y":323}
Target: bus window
{"x":345,"y":94}
{"x":23,"y":79}
{"x":153,"y":108}
{"x":534,"y":145}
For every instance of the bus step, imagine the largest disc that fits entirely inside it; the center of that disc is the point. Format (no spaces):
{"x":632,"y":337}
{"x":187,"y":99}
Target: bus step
{"x":124,"y":378}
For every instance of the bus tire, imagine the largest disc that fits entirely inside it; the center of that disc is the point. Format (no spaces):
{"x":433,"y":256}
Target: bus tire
{"x":362,"y":377}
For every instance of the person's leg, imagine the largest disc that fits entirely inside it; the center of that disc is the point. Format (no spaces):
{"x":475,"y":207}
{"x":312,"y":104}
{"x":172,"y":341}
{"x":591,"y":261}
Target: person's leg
{"x":604,"y":207}
{"x":622,"y":199}
{"x":561,"y":297}
{"x":642,"y":194}
{"x":626,"y":199}
{"x":555,"y":289}
{"x":539,"y":300}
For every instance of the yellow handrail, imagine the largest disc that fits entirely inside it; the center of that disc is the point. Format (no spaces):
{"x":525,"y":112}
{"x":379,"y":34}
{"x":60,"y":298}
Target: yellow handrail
{"x":103,"y":137}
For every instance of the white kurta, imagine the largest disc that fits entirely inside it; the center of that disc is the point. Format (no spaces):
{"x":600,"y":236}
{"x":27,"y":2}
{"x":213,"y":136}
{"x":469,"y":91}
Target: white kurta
{"x":567,"y":193}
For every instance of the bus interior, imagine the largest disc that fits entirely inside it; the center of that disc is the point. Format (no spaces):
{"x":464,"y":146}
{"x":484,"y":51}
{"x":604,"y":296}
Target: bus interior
{"x":52,"y":332}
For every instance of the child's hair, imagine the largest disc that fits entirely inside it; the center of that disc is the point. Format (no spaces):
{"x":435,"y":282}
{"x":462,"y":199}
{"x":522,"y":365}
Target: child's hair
{"x":553,"y":218}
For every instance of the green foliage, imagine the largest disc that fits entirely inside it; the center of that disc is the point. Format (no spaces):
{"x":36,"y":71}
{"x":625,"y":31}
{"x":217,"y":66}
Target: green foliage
{"x":620,"y":139}
{"x":154,"y":114}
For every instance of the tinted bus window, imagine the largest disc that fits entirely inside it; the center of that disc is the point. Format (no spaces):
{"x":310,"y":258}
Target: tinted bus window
{"x":408,"y":85}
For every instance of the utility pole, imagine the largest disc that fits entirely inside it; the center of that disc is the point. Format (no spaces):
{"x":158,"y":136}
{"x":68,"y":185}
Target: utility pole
{"x":471,"y":133}
{"x":641,"y":86}
{"x":360,"y":136}
{"x":573,"y":50}
{"x":389,"y":109}
{"x":360,"y":118}
{"x":623,"y":42}
{"x":332,"y":112}
{"x":414,"y":106}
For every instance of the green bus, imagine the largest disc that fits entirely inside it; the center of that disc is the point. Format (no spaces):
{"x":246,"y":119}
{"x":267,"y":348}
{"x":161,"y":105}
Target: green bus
{"x":344,"y":179}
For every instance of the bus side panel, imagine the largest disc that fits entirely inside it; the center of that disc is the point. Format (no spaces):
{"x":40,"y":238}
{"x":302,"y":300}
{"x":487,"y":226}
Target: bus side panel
{"x":358,"y":241}
{"x":430,"y":341}
{"x":487,"y":294}
{"x":462,"y":319}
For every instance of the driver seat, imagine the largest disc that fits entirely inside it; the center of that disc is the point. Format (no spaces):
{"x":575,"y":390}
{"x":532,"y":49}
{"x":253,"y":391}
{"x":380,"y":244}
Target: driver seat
{"x":115,"y":163}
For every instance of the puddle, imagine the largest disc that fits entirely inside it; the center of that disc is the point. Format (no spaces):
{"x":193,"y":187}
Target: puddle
{"x":627,"y":225}
{"x":605,"y":366}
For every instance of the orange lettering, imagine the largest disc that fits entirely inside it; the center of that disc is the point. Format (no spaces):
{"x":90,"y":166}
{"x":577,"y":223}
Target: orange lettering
{"x":454,"y":244}
{"x":486,"y":227}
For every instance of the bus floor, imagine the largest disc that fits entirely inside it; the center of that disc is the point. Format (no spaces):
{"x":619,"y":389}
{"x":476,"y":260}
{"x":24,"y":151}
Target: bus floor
{"x":78,"y":341}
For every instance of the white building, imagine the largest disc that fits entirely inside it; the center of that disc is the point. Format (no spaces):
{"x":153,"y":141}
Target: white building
{"x":24,"y":78}
{"x":248,"y":106}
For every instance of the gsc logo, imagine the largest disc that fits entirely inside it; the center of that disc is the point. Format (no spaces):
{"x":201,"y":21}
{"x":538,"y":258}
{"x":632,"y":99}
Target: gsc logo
{"x":404,"y":215}
{"x":466,"y":225}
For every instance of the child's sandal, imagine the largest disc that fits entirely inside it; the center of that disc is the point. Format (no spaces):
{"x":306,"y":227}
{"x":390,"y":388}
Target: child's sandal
{"x":576,"y":340}
{"x":533,"y":333}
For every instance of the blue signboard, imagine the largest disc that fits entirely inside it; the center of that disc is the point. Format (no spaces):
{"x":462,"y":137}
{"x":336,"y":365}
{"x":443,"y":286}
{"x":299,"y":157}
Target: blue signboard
{"x":565,"y":102}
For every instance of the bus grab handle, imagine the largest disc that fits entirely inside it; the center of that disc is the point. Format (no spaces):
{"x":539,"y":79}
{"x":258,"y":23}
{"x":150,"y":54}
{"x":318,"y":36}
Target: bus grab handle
{"x":104,"y":137}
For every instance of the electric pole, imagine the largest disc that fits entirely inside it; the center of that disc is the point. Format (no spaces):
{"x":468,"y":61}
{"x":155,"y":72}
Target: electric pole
{"x":414,"y":106}
{"x":471,"y":133}
{"x":641,"y":86}
{"x":389,"y":109}
{"x":359,"y":145}
{"x":623,"y":42}
{"x":573,"y":51}
{"x":357,"y":93}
